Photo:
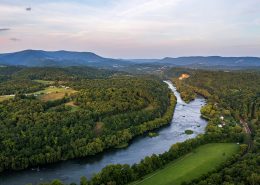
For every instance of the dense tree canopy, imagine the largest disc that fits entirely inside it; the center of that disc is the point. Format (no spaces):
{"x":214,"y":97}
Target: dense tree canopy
{"x":102,"y":113}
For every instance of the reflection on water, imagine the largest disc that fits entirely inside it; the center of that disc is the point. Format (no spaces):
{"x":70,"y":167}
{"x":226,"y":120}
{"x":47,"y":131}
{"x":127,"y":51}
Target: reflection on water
{"x":186,"y":116}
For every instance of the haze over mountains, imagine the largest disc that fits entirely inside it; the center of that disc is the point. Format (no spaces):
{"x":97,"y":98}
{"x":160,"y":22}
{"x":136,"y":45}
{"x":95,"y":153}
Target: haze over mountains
{"x":63,"y":58}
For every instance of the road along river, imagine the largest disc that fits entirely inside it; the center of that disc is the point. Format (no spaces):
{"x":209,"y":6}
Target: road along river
{"x":186,"y":117}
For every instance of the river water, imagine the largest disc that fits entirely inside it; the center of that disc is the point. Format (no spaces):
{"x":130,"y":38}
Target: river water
{"x":186,"y":116}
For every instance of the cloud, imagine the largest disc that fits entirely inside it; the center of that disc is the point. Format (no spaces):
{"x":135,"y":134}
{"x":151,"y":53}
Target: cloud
{"x":141,"y":9}
{"x":4,"y":29}
{"x":136,"y":28}
{"x":15,"y":39}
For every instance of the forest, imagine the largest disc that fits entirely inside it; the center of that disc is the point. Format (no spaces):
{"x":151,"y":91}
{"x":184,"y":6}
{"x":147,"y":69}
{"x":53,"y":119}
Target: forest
{"x":98,"y":113}
{"x":20,"y":79}
{"x":108,"y":111}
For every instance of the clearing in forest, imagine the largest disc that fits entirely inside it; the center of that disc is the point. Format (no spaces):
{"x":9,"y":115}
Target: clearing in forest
{"x":6,"y":97}
{"x":54,"y":93}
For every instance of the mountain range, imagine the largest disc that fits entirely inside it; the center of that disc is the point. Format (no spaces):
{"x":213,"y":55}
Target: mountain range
{"x":40,"y":58}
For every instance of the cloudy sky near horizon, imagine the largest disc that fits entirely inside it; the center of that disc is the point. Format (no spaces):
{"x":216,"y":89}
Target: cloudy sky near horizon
{"x":133,"y":29}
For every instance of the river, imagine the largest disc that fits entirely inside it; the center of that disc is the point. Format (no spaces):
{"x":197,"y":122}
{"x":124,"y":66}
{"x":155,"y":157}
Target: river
{"x":186,"y":116}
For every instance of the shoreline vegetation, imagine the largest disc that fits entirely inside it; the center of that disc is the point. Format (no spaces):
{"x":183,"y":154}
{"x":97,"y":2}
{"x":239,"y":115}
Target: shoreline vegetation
{"x":123,"y":145}
{"x":153,"y":134}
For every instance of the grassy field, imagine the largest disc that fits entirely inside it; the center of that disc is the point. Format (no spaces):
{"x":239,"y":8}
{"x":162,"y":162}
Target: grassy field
{"x":48,"y":94}
{"x":53,"y":93}
{"x":5,"y":97}
{"x":192,"y":165}
{"x":51,"y":90}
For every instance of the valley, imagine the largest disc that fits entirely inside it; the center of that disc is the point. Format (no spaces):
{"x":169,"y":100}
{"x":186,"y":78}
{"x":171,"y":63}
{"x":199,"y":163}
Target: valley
{"x":141,"y":92}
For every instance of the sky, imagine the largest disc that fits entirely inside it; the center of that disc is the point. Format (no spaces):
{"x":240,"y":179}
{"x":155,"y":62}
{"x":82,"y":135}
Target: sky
{"x":133,"y":28}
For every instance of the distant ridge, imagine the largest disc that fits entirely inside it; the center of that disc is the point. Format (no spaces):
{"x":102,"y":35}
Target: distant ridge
{"x":212,"y":61}
{"x":56,"y":58}
{"x":62,"y":58}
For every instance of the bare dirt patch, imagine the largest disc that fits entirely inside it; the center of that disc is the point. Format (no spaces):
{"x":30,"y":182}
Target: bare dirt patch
{"x":184,"y":76}
{"x":98,"y":128}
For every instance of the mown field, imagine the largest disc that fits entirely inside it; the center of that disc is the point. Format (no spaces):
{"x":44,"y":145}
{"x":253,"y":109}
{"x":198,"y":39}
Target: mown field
{"x":200,"y":161}
{"x":54,"y":93}
{"x":5,"y":97}
{"x":48,"y":94}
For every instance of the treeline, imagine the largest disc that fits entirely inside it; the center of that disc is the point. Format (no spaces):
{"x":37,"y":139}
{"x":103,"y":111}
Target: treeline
{"x":17,"y":80}
{"x":66,"y":73}
{"x":19,"y":86}
{"x":108,"y":112}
